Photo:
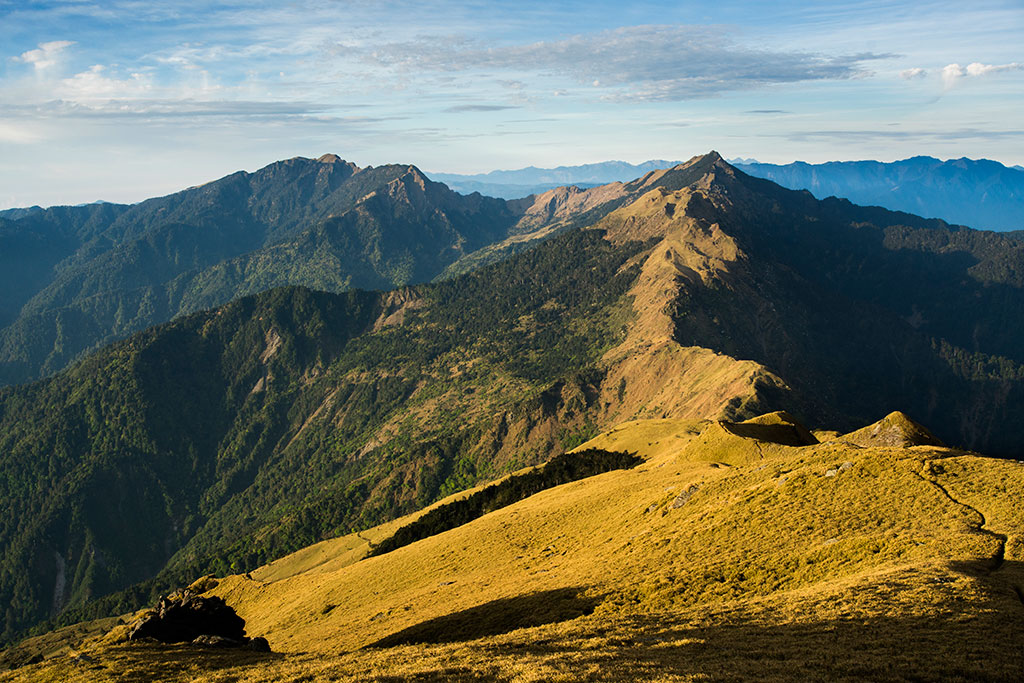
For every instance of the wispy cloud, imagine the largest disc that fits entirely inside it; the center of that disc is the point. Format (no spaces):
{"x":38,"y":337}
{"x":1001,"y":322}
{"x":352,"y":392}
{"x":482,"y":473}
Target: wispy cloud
{"x":46,"y":55}
{"x":222,"y":84}
{"x":922,"y":135}
{"x":458,"y":109}
{"x":157,"y":110}
{"x":645,"y":63}
{"x":95,"y":83}
{"x":954,"y":73}
{"x":15,"y":134}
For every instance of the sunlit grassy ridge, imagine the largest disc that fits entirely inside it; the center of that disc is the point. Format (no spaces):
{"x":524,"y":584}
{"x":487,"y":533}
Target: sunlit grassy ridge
{"x":226,"y":439}
{"x":706,"y":562}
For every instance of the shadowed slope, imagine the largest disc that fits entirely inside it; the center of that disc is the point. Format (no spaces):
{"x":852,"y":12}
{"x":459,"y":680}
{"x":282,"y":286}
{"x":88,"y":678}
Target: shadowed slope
{"x":699,"y":294}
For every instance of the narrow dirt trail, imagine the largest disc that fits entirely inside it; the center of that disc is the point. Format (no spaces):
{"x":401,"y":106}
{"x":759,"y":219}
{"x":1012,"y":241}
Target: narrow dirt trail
{"x":999,"y":557}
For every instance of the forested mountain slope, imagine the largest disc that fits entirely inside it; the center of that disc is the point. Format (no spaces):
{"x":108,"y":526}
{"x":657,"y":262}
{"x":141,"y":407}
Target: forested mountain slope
{"x":239,"y":434}
{"x":78,"y":277}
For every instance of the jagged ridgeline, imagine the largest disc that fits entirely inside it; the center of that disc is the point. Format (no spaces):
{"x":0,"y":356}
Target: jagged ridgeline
{"x":230,"y":437}
{"x":77,"y":277}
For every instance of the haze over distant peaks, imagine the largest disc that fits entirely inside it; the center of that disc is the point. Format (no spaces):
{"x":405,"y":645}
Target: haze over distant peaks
{"x":532,"y":180}
{"x":979,"y":193}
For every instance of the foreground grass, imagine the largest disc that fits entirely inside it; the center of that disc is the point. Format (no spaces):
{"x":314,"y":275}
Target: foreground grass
{"x":716,"y":559}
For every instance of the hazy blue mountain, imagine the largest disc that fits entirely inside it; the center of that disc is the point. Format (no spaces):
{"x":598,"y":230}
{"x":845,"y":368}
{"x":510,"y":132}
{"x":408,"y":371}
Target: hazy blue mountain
{"x":533,"y":180}
{"x":980,"y":193}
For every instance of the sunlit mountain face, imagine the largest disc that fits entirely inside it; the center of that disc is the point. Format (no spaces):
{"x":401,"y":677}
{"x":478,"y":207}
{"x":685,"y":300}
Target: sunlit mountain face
{"x":499,"y":373}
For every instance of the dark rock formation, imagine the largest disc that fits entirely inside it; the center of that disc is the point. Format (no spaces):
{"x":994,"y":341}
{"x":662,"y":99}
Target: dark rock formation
{"x":184,"y":617}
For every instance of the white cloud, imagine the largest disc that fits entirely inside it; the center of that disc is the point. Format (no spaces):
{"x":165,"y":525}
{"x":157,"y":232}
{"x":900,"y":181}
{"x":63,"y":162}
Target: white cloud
{"x":911,"y":74}
{"x":953,"y":73}
{"x":46,"y":55}
{"x":979,"y":69}
{"x":19,"y":135}
{"x":94,"y":84}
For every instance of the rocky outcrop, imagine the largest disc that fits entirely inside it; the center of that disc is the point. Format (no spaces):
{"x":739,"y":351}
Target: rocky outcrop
{"x":893,"y":430}
{"x":185,"y":617}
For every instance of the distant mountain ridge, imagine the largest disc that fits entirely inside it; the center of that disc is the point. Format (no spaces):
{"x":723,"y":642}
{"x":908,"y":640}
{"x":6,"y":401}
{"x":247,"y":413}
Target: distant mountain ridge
{"x":982,"y":194}
{"x":533,"y":180}
{"x":979,"y":193}
{"x":77,"y":277}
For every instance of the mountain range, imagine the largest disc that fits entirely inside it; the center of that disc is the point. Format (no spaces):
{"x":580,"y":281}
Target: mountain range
{"x":78,"y":277}
{"x":533,"y":180}
{"x":235,"y":435}
{"x":979,"y":193}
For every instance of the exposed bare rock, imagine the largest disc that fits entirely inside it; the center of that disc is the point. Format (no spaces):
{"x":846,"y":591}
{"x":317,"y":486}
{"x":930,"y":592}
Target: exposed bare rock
{"x":184,"y":617}
{"x":894,"y":430}
{"x":680,"y":500}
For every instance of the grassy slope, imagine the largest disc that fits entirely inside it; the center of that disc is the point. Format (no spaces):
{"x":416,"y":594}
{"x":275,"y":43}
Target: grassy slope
{"x":463,"y":380}
{"x":505,"y":366}
{"x":771,"y":570}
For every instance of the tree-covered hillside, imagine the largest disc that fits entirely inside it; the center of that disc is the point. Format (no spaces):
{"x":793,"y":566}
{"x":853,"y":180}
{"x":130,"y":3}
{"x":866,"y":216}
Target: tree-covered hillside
{"x":229,"y":437}
{"x":232,"y":436}
{"x":78,"y":277}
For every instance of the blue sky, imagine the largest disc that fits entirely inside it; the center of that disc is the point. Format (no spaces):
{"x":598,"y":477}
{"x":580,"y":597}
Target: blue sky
{"x":127,"y":99}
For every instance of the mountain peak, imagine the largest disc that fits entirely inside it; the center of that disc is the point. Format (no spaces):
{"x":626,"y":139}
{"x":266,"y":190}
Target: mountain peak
{"x":894,"y":430}
{"x":713,"y":156}
{"x":330,"y":159}
{"x":706,"y":163}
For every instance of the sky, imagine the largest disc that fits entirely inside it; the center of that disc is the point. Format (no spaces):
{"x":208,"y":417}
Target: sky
{"x":128,"y":99}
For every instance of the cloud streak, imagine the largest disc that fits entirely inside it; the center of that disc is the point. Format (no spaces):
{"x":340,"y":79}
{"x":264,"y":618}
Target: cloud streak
{"x":641,"y":63}
{"x":155,"y":110}
{"x":462,"y":108}
{"x":864,"y":135}
{"x":913,"y":74}
{"x":952,"y":74}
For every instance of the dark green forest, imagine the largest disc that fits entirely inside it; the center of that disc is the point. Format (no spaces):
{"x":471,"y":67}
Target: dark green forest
{"x":232,"y":436}
{"x":76,"y":278}
{"x":182,"y":449}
